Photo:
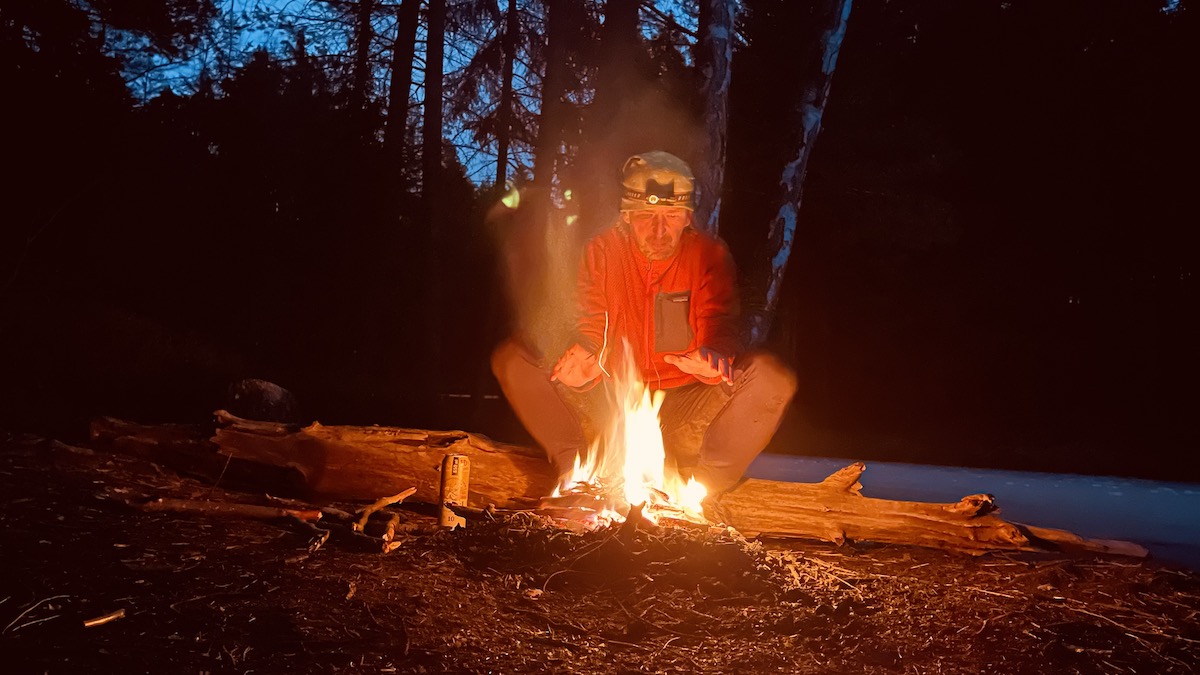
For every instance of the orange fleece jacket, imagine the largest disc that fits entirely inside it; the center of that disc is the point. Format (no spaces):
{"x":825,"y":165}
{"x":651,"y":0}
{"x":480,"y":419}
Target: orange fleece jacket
{"x":634,"y":298}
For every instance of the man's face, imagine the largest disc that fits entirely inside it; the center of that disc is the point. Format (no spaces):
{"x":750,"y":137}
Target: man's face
{"x":658,"y":230}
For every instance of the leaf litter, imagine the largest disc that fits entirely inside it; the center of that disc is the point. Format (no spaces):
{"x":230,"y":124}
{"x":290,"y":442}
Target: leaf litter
{"x":93,"y":584}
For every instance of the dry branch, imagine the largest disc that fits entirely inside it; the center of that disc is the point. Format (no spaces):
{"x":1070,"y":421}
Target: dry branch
{"x":105,"y":618}
{"x":230,"y":509}
{"x":380,"y":504}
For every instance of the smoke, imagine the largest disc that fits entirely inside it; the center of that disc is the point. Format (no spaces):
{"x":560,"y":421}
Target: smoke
{"x":651,"y":119}
{"x":541,"y":241}
{"x":540,"y":248}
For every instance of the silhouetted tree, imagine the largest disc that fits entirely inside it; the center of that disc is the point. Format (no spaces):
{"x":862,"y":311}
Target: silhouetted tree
{"x":484,"y":96}
{"x":808,"y":110}
{"x":620,"y":77}
{"x":403,"y":52}
{"x":714,"y":52}
{"x":364,"y":33}
{"x":60,"y":69}
{"x":559,"y":15}
{"x":431,"y":134}
{"x":504,"y":123}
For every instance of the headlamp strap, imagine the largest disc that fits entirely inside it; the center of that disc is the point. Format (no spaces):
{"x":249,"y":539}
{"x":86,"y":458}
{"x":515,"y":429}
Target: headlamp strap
{"x":659,"y":193}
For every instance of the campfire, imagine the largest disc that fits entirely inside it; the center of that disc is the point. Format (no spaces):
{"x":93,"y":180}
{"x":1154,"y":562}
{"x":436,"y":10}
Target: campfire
{"x":626,"y":469}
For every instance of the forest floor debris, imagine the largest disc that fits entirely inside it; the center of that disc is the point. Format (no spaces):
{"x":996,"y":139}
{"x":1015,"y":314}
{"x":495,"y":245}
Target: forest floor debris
{"x":94,"y":584}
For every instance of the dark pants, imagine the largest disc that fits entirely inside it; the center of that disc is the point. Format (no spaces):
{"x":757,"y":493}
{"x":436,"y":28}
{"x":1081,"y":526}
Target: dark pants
{"x":711,"y":431}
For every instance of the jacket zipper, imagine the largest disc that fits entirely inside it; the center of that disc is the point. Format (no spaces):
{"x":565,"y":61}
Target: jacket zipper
{"x":648,"y":318}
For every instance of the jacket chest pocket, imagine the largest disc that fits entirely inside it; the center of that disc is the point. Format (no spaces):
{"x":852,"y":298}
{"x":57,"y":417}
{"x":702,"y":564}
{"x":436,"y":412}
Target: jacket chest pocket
{"x":672,"y":331}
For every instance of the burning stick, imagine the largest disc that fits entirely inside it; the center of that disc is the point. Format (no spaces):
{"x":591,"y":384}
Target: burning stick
{"x":365,"y":514}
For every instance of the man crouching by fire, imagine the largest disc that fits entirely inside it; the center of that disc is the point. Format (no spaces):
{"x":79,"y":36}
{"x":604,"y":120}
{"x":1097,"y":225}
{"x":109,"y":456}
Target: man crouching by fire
{"x":669,"y":291}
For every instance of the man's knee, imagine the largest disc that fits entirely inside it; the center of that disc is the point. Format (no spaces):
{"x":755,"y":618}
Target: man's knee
{"x":772,"y":376}
{"x":506,"y":356}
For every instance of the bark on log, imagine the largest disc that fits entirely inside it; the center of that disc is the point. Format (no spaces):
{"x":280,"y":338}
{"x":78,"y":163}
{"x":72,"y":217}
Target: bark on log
{"x":360,"y":463}
{"x":834,"y":510}
{"x":187,"y":449}
{"x":109,"y":429}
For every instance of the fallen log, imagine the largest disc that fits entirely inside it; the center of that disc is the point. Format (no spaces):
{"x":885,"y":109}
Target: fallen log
{"x":187,"y":449}
{"x":359,"y":463}
{"x":834,"y":510}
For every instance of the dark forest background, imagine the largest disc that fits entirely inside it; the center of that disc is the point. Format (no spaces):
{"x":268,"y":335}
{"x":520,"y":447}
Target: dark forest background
{"x":995,"y":263}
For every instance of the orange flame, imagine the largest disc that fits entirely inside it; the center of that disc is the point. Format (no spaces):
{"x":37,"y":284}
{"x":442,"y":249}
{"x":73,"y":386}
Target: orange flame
{"x":628,"y":460}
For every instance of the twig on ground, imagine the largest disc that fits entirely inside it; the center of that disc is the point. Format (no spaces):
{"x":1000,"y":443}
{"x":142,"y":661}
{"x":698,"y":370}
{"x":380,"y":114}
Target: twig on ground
{"x":1132,"y":631}
{"x":32,"y":607}
{"x":983,"y":627}
{"x":487,"y":513}
{"x":36,"y":621}
{"x":228,"y":460}
{"x":389,"y":534}
{"x":320,"y":535}
{"x":389,"y":531}
{"x":228,"y":509}
{"x":380,"y":504}
{"x":648,"y":622}
{"x":984,"y":590}
{"x":103,"y":619}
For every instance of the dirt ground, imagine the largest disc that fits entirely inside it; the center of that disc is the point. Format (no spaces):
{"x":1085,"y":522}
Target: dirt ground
{"x":189,"y":593}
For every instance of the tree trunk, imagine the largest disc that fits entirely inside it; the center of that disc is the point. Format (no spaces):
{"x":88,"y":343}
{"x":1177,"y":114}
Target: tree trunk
{"x":808,"y":118}
{"x":425,"y":369}
{"x":554,"y":82}
{"x":714,"y":54}
{"x":619,"y":81}
{"x":431,"y":142}
{"x":620,"y":46}
{"x":363,"y":34}
{"x":504,"y":115}
{"x":403,"y":53}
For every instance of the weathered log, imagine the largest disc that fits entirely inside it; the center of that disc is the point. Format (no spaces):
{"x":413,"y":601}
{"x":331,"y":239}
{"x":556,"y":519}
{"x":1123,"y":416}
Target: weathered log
{"x":105,"y":430}
{"x":359,"y":463}
{"x":187,"y":448}
{"x":834,"y":510}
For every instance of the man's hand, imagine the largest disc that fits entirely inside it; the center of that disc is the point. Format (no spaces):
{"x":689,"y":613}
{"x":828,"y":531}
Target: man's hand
{"x":576,"y":368}
{"x":703,"y":363}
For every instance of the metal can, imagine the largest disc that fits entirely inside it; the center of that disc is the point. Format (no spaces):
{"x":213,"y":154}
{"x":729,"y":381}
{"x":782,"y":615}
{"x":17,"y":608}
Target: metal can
{"x":456,"y":475}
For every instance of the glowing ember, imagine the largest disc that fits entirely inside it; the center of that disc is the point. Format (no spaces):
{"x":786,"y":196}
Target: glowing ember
{"x":626,"y":465}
